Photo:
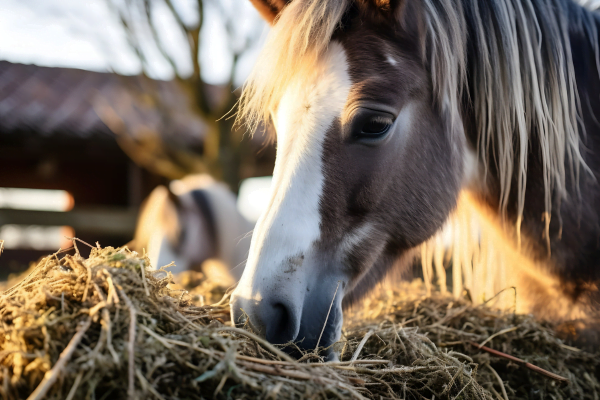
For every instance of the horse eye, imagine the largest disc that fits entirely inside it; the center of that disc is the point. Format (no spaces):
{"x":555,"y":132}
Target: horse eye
{"x":376,"y":126}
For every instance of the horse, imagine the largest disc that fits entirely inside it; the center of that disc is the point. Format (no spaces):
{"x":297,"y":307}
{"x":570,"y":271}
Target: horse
{"x":386,"y":112}
{"x":191,"y":221}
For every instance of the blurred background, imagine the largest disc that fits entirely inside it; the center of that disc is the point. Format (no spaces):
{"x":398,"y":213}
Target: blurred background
{"x":102,"y":101}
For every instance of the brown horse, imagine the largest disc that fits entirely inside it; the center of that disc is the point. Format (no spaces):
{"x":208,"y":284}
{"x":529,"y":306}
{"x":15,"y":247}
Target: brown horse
{"x":385,"y":111}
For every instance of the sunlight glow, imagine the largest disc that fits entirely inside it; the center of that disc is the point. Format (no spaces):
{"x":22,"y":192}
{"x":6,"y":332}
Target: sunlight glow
{"x":36,"y":199}
{"x":36,"y":237}
{"x":254,"y":197}
{"x":87,"y":35}
{"x":482,"y":258}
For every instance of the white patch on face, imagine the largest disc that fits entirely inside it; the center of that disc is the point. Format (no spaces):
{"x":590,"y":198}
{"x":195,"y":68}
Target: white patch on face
{"x":291,"y":224}
{"x":391,"y":60}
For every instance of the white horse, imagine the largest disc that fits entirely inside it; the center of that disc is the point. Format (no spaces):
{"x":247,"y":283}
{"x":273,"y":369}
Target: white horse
{"x":191,"y":221}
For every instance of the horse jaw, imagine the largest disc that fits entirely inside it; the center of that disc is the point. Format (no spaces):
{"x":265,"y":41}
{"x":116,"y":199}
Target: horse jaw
{"x":284,"y":264}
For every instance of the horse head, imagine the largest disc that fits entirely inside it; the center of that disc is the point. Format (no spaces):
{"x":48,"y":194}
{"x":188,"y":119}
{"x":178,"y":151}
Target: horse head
{"x":384,"y":110}
{"x":369,"y":163}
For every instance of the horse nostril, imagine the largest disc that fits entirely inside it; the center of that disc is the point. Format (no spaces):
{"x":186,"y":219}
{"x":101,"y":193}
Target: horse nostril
{"x":280,"y":324}
{"x":274,"y":319}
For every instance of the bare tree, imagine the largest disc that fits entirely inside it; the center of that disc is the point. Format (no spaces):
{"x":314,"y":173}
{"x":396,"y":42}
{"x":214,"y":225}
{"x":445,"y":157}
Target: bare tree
{"x":143,"y":24}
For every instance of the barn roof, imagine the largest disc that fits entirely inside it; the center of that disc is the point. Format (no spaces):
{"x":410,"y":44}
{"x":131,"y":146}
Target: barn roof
{"x":72,"y":103}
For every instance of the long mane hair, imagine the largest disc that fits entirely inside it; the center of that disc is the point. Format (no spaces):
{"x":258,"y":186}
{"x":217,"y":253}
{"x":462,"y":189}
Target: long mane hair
{"x":520,"y":82}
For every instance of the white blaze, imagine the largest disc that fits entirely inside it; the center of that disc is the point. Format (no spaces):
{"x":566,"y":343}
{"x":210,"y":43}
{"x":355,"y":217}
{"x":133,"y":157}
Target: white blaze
{"x":291,"y":223}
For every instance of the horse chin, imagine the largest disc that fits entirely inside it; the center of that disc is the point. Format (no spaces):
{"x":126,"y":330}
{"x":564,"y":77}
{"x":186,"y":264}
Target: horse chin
{"x":321,"y":324}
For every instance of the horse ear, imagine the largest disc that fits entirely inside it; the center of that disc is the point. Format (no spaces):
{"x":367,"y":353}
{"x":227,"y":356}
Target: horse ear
{"x":269,"y":9}
{"x":384,"y":5}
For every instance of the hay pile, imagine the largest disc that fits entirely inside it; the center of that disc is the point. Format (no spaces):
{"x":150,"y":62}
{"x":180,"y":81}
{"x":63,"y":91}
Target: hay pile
{"x":459,"y":328}
{"x":108,"y":327}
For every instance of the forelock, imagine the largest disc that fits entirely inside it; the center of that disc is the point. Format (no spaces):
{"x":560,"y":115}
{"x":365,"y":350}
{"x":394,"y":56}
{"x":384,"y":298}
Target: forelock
{"x":301,"y":35}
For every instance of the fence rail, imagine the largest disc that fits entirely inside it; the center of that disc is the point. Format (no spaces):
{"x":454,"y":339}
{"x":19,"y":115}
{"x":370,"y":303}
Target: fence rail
{"x":110,"y":221}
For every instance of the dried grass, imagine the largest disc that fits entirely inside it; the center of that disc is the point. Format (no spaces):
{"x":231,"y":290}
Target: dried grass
{"x":108,"y":327}
{"x":458,"y":328}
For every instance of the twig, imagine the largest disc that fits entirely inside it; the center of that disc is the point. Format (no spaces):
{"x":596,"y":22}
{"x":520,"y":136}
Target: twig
{"x":143,"y":268}
{"x":148,"y":386}
{"x":500,"y":292}
{"x":278,"y":371}
{"x":333,"y":364}
{"x":502,"y":332}
{"x":327,"y":317}
{"x":361,"y":345}
{"x":74,"y":245}
{"x":499,"y":381}
{"x":156,"y":336}
{"x":51,"y":376}
{"x":524,"y":363}
{"x":107,"y":326}
{"x":293,"y":363}
{"x":299,"y":375}
{"x":495,"y":392}
{"x":87,"y":282}
{"x":189,"y":346}
{"x":463,"y":389}
{"x":403,"y":370}
{"x":448,"y":386}
{"x":75,"y":386}
{"x":97,"y":308}
{"x":221,"y":384}
{"x":225,"y":298}
{"x":79,"y":240}
{"x":263,"y":342}
{"x":112,"y":292}
{"x":570,"y":348}
{"x":131,"y":345}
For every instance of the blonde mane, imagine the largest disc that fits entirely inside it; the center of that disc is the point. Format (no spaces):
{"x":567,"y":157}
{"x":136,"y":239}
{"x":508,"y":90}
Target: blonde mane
{"x":521,"y":75}
{"x":301,"y":34}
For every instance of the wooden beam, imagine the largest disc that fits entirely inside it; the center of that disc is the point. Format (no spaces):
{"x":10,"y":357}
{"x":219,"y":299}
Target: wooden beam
{"x":101,"y":220}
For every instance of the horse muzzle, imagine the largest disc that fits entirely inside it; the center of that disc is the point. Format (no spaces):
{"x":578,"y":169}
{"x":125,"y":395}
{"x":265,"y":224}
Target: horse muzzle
{"x":307,"y":312}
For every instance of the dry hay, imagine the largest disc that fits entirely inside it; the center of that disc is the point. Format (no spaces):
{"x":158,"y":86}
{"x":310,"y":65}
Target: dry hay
{"x":108,"y":327}
{"x":458,"y":328}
